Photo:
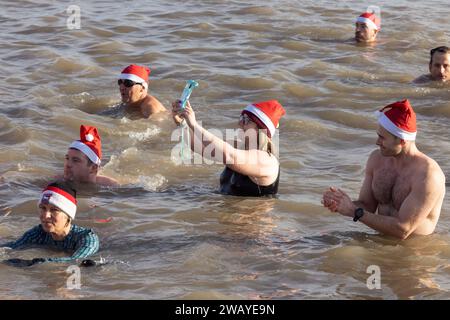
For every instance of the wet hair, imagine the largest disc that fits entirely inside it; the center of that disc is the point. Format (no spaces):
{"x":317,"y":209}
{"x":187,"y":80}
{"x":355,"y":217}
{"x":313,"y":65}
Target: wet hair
{"x":441,"y":49}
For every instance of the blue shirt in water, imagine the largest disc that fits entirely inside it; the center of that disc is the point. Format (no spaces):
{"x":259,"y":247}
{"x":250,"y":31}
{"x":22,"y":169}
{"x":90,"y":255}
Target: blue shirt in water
{"x":81,"y":241}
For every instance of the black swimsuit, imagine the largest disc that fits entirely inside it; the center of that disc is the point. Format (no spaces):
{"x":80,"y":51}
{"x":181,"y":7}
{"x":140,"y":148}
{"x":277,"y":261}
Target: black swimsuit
{"x":236,"y":184}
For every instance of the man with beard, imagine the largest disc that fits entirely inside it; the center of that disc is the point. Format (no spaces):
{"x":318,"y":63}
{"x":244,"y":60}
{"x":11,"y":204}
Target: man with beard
{"x":439,"y":66}
{"x":404,"y":186}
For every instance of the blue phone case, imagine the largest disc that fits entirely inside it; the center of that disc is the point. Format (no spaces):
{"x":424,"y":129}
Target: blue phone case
{"x":190,"y":85}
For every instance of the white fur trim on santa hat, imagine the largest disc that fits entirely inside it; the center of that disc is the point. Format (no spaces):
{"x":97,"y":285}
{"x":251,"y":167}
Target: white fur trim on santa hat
{"x":87,"y":151}
{"x":368,"y":22}
{"x":61,"y":202}
{"x":392,"y":128}
{"x":133,"y":77}
{"x":263,"y":117}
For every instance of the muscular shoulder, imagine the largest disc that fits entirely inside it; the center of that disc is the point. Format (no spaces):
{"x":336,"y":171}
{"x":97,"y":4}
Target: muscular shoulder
{"x":431,"y":171}
{"x":151,"y":105}
{"x":375,"y":159}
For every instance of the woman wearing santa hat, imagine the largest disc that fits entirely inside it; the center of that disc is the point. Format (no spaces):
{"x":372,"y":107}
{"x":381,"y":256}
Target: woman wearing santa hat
{"x":57,"y":208}
{"x":252,"y":171}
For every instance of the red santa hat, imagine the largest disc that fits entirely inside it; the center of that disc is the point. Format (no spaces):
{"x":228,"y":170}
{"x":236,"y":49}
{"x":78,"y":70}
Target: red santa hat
{"x":399,"y":119}
{"x":370,"y":19}
{"x":136,"y":73}
{"x":266,"y":114}
{"x":89,"y":143}
{"x":61,"y":196}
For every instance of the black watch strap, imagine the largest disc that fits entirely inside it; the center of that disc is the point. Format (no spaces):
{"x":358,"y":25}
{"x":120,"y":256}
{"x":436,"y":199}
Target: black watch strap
{"x":358,"y":214}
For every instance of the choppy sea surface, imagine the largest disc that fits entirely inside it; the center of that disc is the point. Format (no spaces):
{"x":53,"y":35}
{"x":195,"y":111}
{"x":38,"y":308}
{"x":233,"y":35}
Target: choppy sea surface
{"x":171,"y":235}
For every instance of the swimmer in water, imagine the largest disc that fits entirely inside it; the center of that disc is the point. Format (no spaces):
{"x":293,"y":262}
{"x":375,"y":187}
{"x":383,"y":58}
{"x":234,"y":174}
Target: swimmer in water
{"x":57,"y":208}
{"x":367,"y":27}
{"x":403,"y":189}
{"x":83,"y":159}
{"x":439,"y":66}
{"x":250,"y":171}
{"x":133,"y":86}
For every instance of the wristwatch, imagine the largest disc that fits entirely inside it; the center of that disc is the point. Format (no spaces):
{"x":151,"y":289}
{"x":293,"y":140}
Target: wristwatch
{"x":358,"y":214}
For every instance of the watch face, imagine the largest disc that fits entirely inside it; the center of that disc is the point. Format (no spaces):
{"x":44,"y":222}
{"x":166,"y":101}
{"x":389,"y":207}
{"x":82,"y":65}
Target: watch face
{"x":358,"y":214}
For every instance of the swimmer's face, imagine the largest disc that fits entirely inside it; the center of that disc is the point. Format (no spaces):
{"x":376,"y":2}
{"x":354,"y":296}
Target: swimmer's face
{"x":53,"y":220}
{"x":249,"y":133}
{"x":132,"y":94}
{"x":365,"y":33}
{"x":389,"y":144}
{"x":440,"y":67}
{"x":246,"y":123}
{"x":77,"y":167}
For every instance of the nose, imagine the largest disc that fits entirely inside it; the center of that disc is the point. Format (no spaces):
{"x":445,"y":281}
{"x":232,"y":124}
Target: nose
{"x":45,"y":214}
{"x":442,"y":70}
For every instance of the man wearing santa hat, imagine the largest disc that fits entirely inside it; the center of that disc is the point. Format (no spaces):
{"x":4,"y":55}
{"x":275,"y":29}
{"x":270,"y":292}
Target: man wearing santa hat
{"x":133,"y":86}
{"x":367,"y":27}
{"x":403,"y":189}
{"x":439,"y":66}
{"x":83,"y":159}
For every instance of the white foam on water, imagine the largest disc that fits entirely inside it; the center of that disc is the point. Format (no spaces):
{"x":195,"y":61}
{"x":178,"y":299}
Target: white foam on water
{"x":152,"y":183}
{"x":142,"y":136}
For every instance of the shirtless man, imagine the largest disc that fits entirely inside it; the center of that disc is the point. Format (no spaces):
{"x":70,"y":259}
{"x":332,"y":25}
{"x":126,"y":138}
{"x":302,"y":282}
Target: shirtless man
{"x":83,"y":159}
{"x":403,"y":184}
{"x":133,"y":85}
{"x":367,"y":27}
{"x":439,"y":66}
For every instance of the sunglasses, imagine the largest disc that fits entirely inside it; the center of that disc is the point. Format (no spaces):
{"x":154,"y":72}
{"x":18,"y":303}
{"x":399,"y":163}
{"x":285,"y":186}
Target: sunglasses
{"x":244,"y":119}
{"x":127,"y":83}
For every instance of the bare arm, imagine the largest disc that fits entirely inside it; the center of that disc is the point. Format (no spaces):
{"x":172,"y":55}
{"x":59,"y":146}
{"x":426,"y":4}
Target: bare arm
{"x":366,"y":198}
{"x":413,"y":211}
{"x":423,"y":197}
{"x":253,"y":163}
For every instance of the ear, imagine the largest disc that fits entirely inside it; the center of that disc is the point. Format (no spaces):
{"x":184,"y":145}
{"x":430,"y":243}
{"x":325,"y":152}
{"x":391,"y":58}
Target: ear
{"x":93,"y":169}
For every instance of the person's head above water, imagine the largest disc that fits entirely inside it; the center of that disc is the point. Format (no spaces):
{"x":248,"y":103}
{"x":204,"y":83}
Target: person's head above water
{"x":83,"y":157}
{"x":266,"y":115}
{"x":440,"y":64}
{"x":133,"y":83}
{"x":397,"y":127}
{"x":367,"y":27}
{"x":57,"y":207}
